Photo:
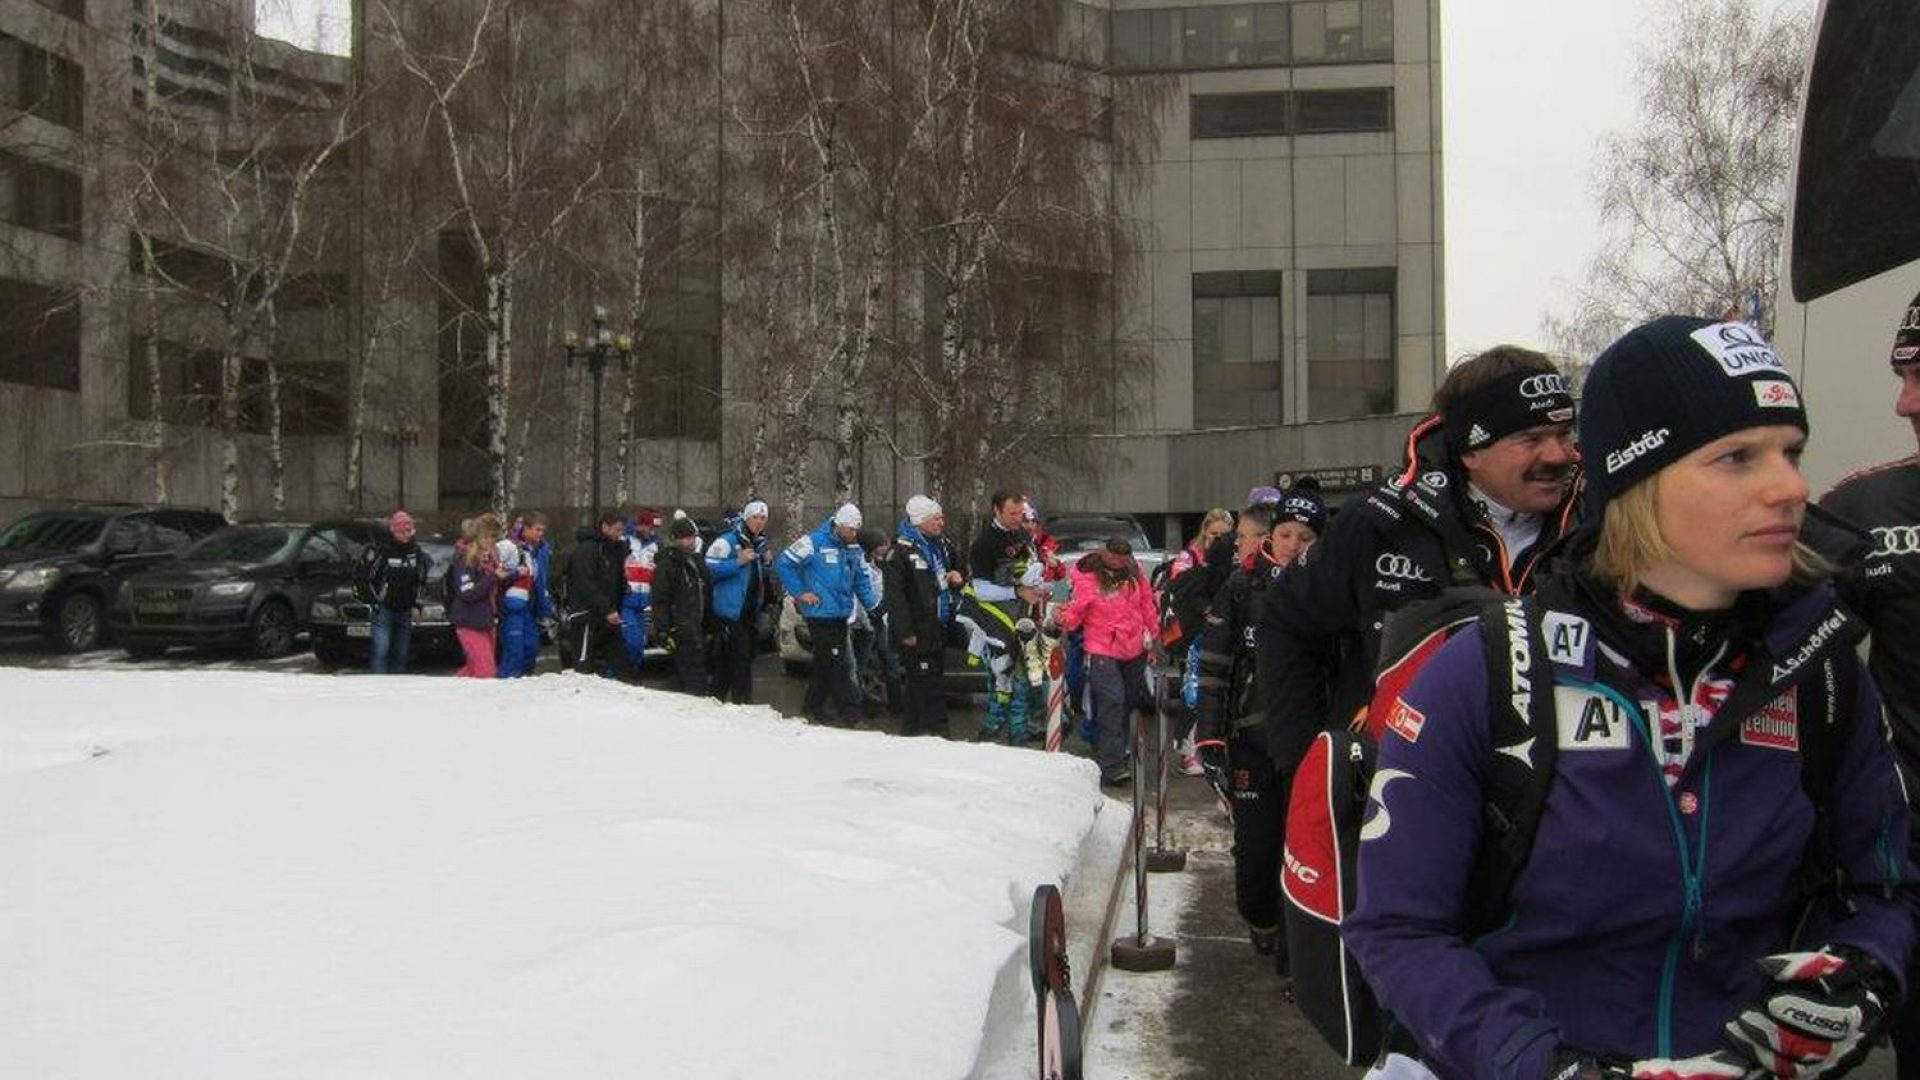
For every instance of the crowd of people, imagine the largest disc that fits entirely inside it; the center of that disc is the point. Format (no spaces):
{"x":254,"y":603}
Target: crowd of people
{"x":1708,"y":874}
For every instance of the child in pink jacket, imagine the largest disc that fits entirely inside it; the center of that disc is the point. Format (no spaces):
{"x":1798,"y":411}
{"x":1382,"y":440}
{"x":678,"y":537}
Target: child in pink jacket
{"x":1114,"y":609}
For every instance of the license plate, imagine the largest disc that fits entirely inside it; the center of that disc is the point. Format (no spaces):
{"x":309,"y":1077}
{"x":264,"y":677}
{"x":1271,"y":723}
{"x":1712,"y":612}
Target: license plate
{"x":158,"y":609}
{"x":355,"y":630}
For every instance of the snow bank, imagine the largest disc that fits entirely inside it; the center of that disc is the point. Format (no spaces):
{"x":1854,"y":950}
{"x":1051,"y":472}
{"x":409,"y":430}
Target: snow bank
{"x":224,"y":874}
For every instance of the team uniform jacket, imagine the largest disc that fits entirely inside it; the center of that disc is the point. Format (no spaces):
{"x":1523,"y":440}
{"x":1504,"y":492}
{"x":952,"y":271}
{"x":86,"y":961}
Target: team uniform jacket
{"x":820,"y":564}
{"x":1321,"y":625}
{"x":394,"y":573}
{"x":1116,"y":624}
{"x":1229,"y":692}
{"x":999,"y":561}
{"x":1637,"y":920}
{"x":595,"y":572}
{"x":679,"y":594}
{"x":641,"y":553}
{"x":921,"y":605}
{"x":526,"y":590}
{"x":1885,"y":588}
{"x":737,"y":590}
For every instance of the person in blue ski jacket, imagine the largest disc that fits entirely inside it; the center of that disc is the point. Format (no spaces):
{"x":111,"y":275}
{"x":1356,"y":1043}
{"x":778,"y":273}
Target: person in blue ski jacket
{"x":737,"y":565}
{"x":525,"y":602}
{"x":1694,"y":654}
{"x":825,"y":571}
{"x":643,"y":544}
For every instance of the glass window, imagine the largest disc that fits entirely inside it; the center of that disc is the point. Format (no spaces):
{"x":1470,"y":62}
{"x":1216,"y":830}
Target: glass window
{"x":1263,"y":316}
{"x":1270,"y":34}
{"x":1236,"y":35}
{"x":39,"y":83}
{"x":39,"y":335}
{"x":1202,"y":38}
{"x":1343,"y":30}
{"x":1376,"y":30}
{"x":1236,"y":335}
{"x":1320,"y":112}
{"x":1231,"y":116}
{"x":124,"y":537}
{"x":1206,"y":330}
{"x":1167,"y":34}
{"x":1310,"y":33}
{"x":34,"y":195}
{"x":1350,"y":347}
{"x":1860,"y":149}
{"x":323,"y":547}
{"x":1132,"y":39}
{"x":1236,"y":349}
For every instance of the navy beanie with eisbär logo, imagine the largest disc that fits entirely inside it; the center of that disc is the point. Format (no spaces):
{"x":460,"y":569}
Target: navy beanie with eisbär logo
{"x":1671,"y":386}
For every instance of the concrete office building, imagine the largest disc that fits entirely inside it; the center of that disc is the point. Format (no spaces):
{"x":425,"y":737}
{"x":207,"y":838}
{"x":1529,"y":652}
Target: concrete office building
{"x":1292,"y":288}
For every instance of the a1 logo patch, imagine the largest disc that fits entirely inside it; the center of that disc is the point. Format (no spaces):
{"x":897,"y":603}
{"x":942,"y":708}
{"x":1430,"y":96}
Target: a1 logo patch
{"x":1590,"y":720}
{"x":1776,"y":725}
{"x":1569,"y":639}
{"x":1405,"y":720}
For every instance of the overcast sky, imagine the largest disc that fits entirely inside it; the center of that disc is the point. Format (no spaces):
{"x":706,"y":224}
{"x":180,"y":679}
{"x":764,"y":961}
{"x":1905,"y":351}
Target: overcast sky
{"x":1530,"y":87}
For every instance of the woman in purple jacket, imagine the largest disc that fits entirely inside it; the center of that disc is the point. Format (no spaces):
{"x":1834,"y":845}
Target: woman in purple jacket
{"x":476,"y":576}
{"x":1693,"y":653}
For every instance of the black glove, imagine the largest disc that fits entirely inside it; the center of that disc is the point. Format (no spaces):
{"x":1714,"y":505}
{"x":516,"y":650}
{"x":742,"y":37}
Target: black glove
{"x":1821,"y":1007}
{"x":1571,"y":1064}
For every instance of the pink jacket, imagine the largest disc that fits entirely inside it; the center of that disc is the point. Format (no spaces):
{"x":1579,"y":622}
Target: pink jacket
{"x":1116,"y":624}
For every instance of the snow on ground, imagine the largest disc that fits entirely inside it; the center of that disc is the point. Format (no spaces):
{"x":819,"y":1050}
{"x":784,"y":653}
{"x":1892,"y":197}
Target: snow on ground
{"x":227,"y":874}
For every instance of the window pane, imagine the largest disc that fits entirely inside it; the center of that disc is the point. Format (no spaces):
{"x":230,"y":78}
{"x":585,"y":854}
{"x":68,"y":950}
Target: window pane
{"x":1320,"y":112}
{"x":1860,"y":154}
{"x":1349,"y":327}
{"x":1376,"y":29}
{"x":1343,"y":30}
{"x":1236,"y":35}
{"x":1227,"y":116}
{"x":1132,"y":39}
{"x":1202,"y":37}
{"x":1309,"y":33}
{"x":39,"y":335}
{"x":1270,"y":34}
{"x":1236,"y":334}
{"x":1320,"y":328}
{"x":1206,"y":331}
{"x":1379,"y":332}
{"x":1265,"y":317}
{"x":1166,"y":38}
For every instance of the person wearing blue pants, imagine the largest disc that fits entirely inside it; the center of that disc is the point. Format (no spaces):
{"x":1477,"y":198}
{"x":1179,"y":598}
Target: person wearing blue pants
{"x":525,"y":601}
{"x":642,"y":544}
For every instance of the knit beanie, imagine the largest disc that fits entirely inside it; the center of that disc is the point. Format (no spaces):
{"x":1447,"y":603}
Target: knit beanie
{"x":682,"y":528}
{"x":1906,"y":341}
{"x":848,"y":516}
{"x":756,"y":508}
{"x":1304,"y":505}
{"x":1260,"y":496}
{"x":921,"y":509}
{"x":1671,"y":386}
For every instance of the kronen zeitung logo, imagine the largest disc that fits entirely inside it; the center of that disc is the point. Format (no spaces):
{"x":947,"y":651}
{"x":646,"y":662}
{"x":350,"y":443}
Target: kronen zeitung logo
{"x":1647,"y":443}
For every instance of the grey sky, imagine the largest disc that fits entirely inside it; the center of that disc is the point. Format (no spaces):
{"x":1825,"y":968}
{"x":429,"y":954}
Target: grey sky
{"x":1530,"y":87}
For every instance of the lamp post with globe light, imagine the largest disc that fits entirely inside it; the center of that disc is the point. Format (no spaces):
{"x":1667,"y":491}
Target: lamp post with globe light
{"x":599,"y":345}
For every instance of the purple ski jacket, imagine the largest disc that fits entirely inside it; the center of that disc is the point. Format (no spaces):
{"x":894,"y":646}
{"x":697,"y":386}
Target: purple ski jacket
{"x":1636,"y":921}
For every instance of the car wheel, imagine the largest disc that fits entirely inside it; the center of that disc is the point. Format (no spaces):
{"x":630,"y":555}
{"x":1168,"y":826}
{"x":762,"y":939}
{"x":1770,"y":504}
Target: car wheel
{"x":77,"y":626}
{"x":270,"y":635}
{"x":796,"y":669}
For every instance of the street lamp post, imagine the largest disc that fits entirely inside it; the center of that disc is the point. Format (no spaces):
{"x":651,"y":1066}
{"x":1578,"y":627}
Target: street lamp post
{"x":404,"y":437}
{"x":599,"y":345}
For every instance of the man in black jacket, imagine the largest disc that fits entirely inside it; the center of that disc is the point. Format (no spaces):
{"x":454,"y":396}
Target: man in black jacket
{"x":1884,"y":588}
{"x":922,"y":588}
{"x":394,"y":570}
{"x":680,"y":604}
{"x":596,"y":578}
{"x":1490,"y":483}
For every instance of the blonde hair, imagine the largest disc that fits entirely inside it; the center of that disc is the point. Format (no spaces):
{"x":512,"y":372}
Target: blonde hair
{"x":1217,"y":514}
{"x":1631,"y":542}
{"x":481,"y":532}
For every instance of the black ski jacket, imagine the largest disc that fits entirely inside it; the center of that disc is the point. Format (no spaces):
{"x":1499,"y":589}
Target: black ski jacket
{"x":597,"y":574}
{"x":679,"y":593}
{"x":1229,"y":692}
{"x":913,"y":588}
{"x":394,"y":573}
{"x":1884,"y":588}
{"x":1409,"y":538}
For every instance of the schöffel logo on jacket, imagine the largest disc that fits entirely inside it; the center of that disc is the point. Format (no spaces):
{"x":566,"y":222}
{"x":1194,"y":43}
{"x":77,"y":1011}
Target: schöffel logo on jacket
{"x":1392,"y":564}
{"x":1776,"y":725}
{"x":1647,"y":443}
{"x":1831,"y":625}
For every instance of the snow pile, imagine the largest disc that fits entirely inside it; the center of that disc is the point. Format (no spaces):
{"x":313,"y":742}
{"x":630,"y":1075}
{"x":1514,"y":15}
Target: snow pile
{"x":214,"y":874}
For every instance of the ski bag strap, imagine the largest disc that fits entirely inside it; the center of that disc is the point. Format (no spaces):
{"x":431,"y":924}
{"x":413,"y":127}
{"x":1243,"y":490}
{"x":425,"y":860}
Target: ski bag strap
{"x":1524,"y":739}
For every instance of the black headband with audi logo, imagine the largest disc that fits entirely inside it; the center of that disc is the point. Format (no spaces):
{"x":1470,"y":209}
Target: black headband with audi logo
{"x":1510,"y":403}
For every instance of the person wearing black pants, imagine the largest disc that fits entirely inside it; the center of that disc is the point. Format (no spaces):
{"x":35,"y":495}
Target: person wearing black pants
{"x":832,"y":674}
{"x":921,"y":590}
{"x":736,"y":566}
{"x":679,"y":605}
{"x":825,"y":571}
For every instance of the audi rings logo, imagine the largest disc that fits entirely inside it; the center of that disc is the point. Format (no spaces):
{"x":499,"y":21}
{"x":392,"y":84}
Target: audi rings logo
{"x":1436,"y":479}
{"x":1393,"y":565}
{"x":1897,"y":540}
{"x":1539,"y":386}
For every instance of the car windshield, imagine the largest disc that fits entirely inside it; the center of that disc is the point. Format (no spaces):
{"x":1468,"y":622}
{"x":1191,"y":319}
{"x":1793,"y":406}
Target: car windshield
{"x":52,"y":532}
{"x":244,"y":543}
{"x":1089,"y":534}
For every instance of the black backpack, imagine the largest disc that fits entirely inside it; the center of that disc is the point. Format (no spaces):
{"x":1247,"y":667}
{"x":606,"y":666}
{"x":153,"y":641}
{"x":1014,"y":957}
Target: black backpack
{"x":1328,"y":802}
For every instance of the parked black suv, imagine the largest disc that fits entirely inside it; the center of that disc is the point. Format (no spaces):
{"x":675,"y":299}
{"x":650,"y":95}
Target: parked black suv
{"x":250,"y":585}
{"x":340,"y":622}
{"x":59,"y":569}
